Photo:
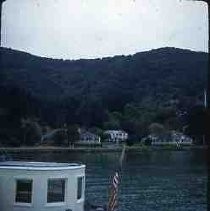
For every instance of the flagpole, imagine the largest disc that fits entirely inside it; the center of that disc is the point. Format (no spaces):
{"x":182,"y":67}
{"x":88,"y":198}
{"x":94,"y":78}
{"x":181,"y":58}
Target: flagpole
{"x":205,"y":99}
{"x":205,"y":107}
{"x":122,"y":157}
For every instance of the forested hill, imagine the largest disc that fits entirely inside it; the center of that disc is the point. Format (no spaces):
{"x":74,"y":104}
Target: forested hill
{"x":104,"y":92}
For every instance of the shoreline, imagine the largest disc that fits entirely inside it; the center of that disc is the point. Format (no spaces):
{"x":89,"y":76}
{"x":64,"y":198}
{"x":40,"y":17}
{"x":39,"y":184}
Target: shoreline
{"x":99,"y":149}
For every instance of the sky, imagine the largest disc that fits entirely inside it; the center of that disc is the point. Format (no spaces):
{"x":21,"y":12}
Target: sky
{"x":74,"y":29}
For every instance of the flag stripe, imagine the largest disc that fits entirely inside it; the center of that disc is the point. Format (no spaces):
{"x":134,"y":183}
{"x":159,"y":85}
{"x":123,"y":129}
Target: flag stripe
{"x":113,"y":195}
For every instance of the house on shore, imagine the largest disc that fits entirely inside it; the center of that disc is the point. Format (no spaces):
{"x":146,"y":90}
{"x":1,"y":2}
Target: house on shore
{"x":173,"y":137}
{"x":116,"y":136}
{"x":86,"y":136}
{"x":180,"y":138}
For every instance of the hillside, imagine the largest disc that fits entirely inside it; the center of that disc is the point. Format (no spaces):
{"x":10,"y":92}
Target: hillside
{"x":107,"y":92}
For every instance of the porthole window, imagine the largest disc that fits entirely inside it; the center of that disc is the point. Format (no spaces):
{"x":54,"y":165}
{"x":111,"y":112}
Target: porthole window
{"x":23,"y":191}
{"x":56,"y":190}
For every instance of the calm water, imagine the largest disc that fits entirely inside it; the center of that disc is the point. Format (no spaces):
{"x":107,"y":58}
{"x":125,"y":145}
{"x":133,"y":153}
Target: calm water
{"x":158,"y":180}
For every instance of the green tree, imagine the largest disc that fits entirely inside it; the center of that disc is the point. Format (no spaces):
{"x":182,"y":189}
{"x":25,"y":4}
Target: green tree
{"x":157,"y":129}
{"x":197,"y":120}
{"x":113,"y":122}
{"x":31,"y":131}
{"x":72,"y":134}
{"x":59,"y":138}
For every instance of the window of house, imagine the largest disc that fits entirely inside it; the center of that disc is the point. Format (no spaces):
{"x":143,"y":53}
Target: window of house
{"x":80,"y":182}
{"x":23,"y":191}
{"x":56,"y":190}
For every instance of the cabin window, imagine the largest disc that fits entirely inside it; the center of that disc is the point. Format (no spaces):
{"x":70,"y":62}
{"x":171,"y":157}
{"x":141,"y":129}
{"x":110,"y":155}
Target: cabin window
{"x":23,"y":191}
{"x":80,"y":184}
{"x":56,"y":190}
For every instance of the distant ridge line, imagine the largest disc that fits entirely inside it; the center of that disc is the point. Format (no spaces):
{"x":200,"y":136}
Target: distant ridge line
{"x":162,"y":49}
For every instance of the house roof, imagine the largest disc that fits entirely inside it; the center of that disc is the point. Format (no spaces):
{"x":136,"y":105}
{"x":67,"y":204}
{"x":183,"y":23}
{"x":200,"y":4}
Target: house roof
{"x":115,"y":131}
{"x":87,"y":133}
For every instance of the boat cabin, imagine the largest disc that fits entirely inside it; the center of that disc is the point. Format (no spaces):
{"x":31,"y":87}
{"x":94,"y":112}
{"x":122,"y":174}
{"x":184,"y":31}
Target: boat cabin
{"x":41,"y":186}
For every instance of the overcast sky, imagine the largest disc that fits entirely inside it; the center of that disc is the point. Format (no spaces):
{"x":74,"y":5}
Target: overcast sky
{"x":73,"y":29}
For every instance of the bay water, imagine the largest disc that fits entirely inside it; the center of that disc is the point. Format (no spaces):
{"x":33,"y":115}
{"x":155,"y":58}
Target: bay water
{"x":158,"y":180}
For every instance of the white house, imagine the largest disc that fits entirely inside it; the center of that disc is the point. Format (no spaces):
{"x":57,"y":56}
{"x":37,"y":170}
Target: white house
{"x":116,"y":135}
{"x":173,"y":137}
{"x":181,"y":138}
{"x":40,"y":186}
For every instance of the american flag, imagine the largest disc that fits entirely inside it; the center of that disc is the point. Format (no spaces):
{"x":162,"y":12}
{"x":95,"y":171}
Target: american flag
{"x":112,"y":206}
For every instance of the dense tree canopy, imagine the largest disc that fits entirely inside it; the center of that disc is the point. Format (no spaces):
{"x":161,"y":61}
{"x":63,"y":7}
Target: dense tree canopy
{"x":127,"y":92}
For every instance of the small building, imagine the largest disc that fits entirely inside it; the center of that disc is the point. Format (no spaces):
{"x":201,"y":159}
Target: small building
{"x":87,"y":136}
{"x":116,"y":136}
{"x":40,"y":186}
{"x":180,"y":138}
{"x":173,"y":137}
